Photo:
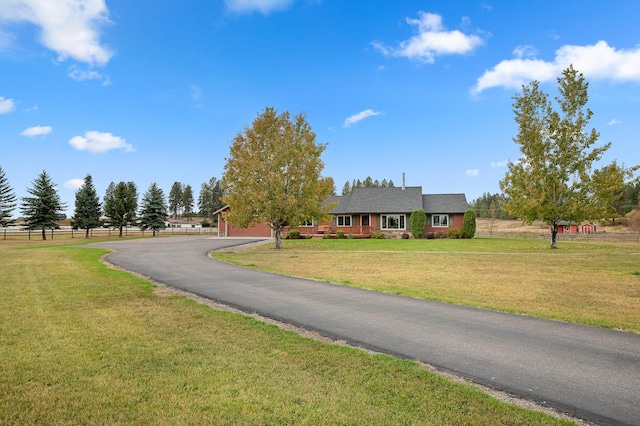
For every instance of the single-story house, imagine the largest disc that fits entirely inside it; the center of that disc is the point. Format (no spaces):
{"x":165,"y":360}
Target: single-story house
{"x":179,"y":223}
{"x":369,"y":210}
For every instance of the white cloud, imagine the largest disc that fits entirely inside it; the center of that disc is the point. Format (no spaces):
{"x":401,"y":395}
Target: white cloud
{"x":99,"y":142}
{"x":37,"y":131}
{"x":68,"y":27}
{"x":472,"y":172}
{"x":6,"y":105}
{"x":525,"y":51}
{"x":74,"y":184}
{"x":263,"y":6}
{"x":598,"y":61}
{"x":431,"y":40}
{"x":360,"y":116}
{"x":499,"y":163}
{"x":614,"y":122}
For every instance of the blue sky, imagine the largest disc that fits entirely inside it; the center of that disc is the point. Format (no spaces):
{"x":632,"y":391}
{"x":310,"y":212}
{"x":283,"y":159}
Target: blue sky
{"x":154,"y":91}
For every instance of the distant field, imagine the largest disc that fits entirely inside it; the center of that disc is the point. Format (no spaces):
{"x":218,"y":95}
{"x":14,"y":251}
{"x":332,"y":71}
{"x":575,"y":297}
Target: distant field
{"x":81,"y":343}
{"x":588,"y":283}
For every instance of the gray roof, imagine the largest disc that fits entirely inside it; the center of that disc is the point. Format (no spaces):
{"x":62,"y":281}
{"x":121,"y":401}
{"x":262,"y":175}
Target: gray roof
{"x":445,"y":203}
{"x":380,"y":200}
{"x":398,"y":200}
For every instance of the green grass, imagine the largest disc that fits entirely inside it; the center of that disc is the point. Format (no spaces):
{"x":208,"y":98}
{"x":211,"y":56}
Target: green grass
{"x":587,"y":283}
{"x":84,"y":344}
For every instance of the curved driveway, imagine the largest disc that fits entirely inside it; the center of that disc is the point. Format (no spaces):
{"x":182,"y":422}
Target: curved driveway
{"x":588,"y":372}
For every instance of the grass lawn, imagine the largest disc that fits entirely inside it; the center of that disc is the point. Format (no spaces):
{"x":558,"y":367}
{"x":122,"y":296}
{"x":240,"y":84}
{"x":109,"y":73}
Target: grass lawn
{"x":81,"y":343}
{"x":588,"y":283}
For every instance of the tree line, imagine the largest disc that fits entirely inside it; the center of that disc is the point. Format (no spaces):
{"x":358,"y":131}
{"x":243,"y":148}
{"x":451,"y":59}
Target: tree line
{"x":347,"y":188}
{"x":42,"y":208}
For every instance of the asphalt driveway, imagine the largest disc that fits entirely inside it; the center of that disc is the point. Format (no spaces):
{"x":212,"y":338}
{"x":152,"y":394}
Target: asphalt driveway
{"x":588,"y":372}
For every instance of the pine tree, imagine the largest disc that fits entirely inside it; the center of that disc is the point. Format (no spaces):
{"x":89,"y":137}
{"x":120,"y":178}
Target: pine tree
{"x":187,"y":202}
{"x":210,"y":198}
{"x":153,"y":213}
{"x":469,"y":224}
{"x":346,"y":189}
{"x":88,"y":209}
{"x":175,"y":199}
{"x":42,"y":209}
{"x":120,"y":204}
{"x":7,"y":202}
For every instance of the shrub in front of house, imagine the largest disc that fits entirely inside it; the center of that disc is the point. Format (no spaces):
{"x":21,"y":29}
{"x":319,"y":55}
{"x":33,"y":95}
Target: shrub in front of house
{"x":205,"y":224}
{"x":340,"y":234}
{"x":405,"y":236}
{"x":417,"y":222}
{"x":378,"y":235}
{"x":469,"y":224}
{"x":441,"y":234}
{"x":454,"y":233}
{"x":294,"y":234}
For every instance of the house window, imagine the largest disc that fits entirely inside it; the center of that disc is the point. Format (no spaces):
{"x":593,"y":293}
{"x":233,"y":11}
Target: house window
{"x":440,"y":220}
{"x":364,"y":220}
{"x":343,"y":220}
{"x":393,"y":221}
{"x":307,"y":222}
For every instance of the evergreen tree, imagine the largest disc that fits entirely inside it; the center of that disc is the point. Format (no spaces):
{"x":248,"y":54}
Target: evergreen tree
{"x":153,"y":212}
{"x":120,"y":204}
{"x":346,"y":189}
{"x":469,"y":224}
{"x":390,"y":184}
{"x":175,"y":199}
{"x":210,"y":198}
{"x":187,"y":202}
{"x":417,"y":222}
{"x":43,"y":208}
{"x":88,"y":209}
{"x":384,"y":183}
{"x":7,"y":202}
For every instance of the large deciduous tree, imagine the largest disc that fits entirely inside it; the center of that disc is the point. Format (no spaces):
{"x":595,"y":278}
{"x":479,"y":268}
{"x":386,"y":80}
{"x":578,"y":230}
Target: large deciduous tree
{"x":552,"y":180}
{"x":609,"y":184}
{"x":153,"y":211}
{"x":44,"y":207}
{"x":210,"y":198}
{"x":7,"y":201}
{"x":274,"y":174}
{"x":88,"y":208}
{"x":120,"y":204}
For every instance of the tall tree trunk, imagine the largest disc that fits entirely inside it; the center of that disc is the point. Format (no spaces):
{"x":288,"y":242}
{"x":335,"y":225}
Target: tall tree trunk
{"x":554,"y":235}
{"x":44,"y":234}
{"x":86,"y":235}
{"x":277,"y":230}
{"x":120,"y":234}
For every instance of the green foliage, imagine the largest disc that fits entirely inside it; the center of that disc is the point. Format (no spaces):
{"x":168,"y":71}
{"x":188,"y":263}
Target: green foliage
{"x":378,"y":235}
{"x":454,"y":233}
{"x":551,"y":181}
{"x":41,"y":210}
{"x":274,"y":173}
{"x":120,"y":204}
{"x":483,"y":209}
{"x":368,"y":182}
{"x":417,"y":222}
{"x":609,"y":184}
{"x":210,"y":199}
{"x":88,"y":210}
{"x":7,"y":200}
{"x":340,"y":234}
{"x":176,"y":200}
{"x":187,"y":202}
{"x":154,"y":210}
{"x":205,"y":223}
{"x":294,"y":234}
{"x":469,"y":224}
